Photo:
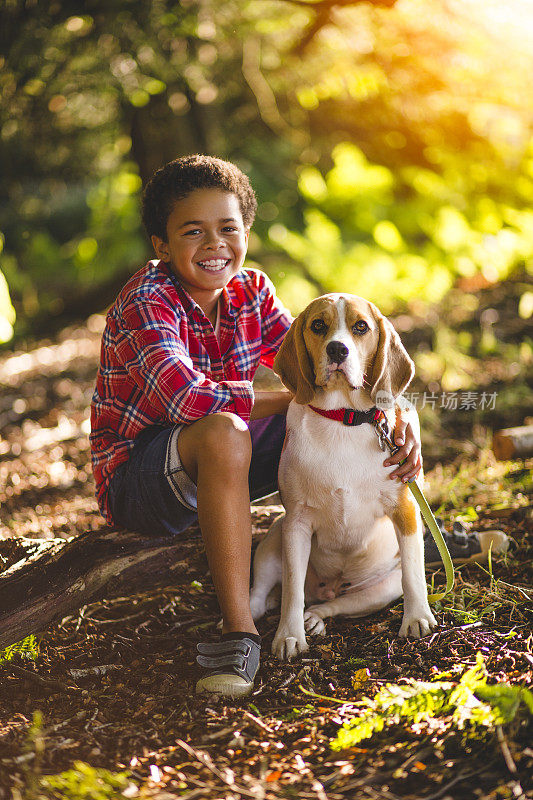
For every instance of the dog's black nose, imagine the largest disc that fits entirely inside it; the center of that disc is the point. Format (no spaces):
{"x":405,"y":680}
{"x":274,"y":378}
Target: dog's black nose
{"x":337,"y":351}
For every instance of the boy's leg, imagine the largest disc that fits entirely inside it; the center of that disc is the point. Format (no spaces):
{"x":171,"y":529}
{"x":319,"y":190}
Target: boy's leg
{"x":215,"y":452}
{"x":155,"y":492}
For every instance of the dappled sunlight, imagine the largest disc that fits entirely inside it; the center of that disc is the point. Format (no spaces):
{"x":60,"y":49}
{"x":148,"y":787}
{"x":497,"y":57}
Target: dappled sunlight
{"x":389,"y":145}
{"x":54,"y":357}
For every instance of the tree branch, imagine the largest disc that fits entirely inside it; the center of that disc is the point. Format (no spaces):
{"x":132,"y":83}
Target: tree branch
{"x":323,"y":9}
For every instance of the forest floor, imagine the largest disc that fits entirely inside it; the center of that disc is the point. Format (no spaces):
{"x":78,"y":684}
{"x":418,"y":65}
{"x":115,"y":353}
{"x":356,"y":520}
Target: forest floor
{"x":109,"y":705}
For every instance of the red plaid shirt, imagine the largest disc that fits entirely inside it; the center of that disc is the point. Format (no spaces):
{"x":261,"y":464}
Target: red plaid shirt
{"x":162,"y":364}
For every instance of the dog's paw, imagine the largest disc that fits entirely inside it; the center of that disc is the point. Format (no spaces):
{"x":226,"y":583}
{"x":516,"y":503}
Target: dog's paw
{"x":313,"y":623}
{"x":418,"y":625}
{"x":287,"y":646}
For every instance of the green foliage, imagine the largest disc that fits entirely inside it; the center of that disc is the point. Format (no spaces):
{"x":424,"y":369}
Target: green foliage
{"x":385,"y":168}
{"x":27,"y":648}
{"x":84,"y":782}
{"x":81,"y":782}
{"x":298,"y":713}
{"x":469,"y":703}
{"x":399,"y":236}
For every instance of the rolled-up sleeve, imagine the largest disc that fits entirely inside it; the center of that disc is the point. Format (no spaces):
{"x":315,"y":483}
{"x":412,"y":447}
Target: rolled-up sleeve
{"x":150,"y":349}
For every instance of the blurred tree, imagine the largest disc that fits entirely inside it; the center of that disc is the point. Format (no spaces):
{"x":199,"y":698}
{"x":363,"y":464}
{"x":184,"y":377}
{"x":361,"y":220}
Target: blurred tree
{"x":97,"y":95}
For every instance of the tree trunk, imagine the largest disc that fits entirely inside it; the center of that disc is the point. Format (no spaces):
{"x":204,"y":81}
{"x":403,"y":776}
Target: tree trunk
{"x":48,"y":579}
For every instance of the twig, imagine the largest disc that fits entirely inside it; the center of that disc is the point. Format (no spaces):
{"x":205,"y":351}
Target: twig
{"x":195,"y":793}
{"x":81,"y":614}
{"x":97,"y":621}
{"x":291,"y":678}
{"x":101,"y":669}
{"x":330,"y":699}
{"x":504,"y":747}
{"x":45,"y":683}
{"x":318,"y":788}
{"x":219,"y":734}
{"x":205,"y":761}
{"x":358,"y":782}
{"x":258,"y":723}
{"x":418,"y":756}
{"x":381,"y":792}
{"x":53,"y":728}
{"x":462,"y":776}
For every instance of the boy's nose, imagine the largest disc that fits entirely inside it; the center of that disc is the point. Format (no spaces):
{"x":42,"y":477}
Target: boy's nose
{"x":214,"y":243}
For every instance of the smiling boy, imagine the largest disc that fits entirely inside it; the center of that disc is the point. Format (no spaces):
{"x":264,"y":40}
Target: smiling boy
{"x":178,"y":433}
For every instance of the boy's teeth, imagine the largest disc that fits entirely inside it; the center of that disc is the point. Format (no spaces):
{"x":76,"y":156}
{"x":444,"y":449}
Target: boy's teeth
{"x":216,"y":263}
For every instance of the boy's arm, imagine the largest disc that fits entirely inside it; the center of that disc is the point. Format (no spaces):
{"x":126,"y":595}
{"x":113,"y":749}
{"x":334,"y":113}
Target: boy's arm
{"x":268,"y":403}
{"x":148,"y":345}
{"x":275,"y":321}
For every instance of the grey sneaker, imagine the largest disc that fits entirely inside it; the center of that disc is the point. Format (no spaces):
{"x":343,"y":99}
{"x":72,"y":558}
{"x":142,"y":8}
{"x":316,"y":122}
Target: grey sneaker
{"x":232,"y":665}
{"x":465,"y":547}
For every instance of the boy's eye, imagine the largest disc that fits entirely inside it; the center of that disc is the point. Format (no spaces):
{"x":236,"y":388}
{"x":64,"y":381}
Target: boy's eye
{"x":318,"y":326}
{"x":360,"y":326}
{"x":192,"y":232}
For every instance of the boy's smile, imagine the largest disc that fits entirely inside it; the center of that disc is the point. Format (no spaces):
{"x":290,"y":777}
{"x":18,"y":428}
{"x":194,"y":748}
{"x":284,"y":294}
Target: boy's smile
{"x":206,"y":244}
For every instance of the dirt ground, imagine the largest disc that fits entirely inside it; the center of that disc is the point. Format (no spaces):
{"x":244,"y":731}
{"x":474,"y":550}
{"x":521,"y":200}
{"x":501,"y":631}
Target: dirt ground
{"x":114,"y":682}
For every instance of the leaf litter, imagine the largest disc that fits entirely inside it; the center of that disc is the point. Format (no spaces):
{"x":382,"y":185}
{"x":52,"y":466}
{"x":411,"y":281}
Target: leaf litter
{"x":104,"y":701}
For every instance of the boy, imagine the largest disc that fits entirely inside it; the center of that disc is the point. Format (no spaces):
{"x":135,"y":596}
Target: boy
{"x":178,"y":433}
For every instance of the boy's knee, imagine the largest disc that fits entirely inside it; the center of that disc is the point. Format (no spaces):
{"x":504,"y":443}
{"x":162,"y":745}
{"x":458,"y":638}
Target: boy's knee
{"x":226,"y":436}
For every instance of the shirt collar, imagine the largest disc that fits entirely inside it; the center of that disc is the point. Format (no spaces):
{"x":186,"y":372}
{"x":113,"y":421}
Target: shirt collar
{"x":229,"y":301}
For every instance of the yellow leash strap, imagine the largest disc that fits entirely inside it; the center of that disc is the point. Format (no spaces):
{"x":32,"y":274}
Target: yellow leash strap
{"x":431,"y":522}
{"x":382,"y":430}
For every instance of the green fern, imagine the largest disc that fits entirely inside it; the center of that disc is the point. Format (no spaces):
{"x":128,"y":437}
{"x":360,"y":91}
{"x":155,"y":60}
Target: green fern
{"x":27,"y":648}
{"x":470,"y":701}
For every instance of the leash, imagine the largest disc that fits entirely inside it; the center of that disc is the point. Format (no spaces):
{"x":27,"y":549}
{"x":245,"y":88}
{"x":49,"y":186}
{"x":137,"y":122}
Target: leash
{"x":382,"y":430}
{"x":431,"y":522}
{"x":378,"y":420}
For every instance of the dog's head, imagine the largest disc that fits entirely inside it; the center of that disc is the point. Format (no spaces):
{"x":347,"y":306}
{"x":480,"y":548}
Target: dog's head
{"x":343,"y":341}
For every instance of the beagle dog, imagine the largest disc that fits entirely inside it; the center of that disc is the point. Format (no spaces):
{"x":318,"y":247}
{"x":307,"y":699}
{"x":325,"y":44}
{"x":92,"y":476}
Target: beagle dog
{"x":350,"y":541}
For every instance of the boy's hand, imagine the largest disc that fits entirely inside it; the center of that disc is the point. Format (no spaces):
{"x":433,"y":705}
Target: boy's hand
{"x":410,"y":452}
{"x":268,"y":403}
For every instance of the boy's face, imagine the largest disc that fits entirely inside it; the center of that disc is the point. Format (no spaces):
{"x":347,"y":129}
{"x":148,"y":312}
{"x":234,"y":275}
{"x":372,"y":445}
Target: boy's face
{"x":206,"y":243}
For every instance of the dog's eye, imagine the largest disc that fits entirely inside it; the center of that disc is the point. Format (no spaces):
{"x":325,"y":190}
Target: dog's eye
{"x":318,"y":326}
{"x":360,"y":326}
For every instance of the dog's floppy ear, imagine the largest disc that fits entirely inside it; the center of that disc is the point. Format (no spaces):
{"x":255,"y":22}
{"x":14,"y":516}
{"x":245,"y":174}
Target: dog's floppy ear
{"x":392,"y":370}
{"x":293,"y":363}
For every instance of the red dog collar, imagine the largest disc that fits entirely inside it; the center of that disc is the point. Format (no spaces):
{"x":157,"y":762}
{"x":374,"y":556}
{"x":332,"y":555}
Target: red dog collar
{"x":350,"y":416}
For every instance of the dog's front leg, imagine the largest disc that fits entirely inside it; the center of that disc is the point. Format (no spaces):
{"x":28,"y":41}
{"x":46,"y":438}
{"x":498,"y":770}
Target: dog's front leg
{"x":296,"y":548}
{"x":417,"y":617}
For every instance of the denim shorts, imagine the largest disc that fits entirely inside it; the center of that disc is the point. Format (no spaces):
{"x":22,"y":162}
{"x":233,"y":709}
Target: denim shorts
{"x":151,"y":493}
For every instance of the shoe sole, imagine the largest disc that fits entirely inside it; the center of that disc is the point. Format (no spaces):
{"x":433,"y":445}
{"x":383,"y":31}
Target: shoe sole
{"x":224,"y":685}
{"x":495,"y":542}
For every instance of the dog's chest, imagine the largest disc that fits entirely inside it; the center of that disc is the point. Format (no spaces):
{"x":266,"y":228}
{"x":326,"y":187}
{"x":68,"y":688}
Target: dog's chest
{"x":337,"y":470}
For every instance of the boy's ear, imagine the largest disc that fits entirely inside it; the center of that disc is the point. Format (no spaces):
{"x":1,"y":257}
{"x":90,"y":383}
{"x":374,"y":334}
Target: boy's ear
{"x":161,"y":248}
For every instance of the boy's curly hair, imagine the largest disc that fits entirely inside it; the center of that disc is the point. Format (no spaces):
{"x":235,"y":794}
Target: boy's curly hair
{"x":180,"y":177}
